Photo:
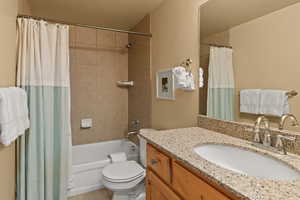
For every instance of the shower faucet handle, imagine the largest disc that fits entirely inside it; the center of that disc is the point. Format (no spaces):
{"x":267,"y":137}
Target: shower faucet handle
{"x":136,"y":124}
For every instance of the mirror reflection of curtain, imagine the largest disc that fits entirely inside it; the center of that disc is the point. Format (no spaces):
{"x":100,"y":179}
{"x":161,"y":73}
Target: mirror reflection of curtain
{"x":220,"y":102}
{"x":43,"y":71}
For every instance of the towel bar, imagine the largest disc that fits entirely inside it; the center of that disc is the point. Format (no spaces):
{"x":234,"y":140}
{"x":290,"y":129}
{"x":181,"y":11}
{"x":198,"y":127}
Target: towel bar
{"x":292,"y":93}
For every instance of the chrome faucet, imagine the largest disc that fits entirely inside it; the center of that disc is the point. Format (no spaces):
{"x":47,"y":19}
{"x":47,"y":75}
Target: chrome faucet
{"x":130,"y":133}
{"x":285,"y":117}
{"x":262,"y":120}
{"x":281,"y":143}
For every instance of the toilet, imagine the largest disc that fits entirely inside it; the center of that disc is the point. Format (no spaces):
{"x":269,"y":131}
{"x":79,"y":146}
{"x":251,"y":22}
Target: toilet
{"x":126,"y":179}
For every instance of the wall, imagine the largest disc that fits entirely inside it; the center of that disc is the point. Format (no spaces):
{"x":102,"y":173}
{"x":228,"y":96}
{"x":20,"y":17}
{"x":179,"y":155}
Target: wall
{"x":266,"y":54}
{"x":98,"y":60}
{"x":219,"y":39}
{"x":8,"y":13}
{"x":139,"y":71}
{"x":24,"y":7}
{"x":175,"y":28}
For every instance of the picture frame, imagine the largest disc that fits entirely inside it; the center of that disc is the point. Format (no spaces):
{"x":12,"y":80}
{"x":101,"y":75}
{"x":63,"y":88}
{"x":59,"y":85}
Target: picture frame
{"x":165,"y":88}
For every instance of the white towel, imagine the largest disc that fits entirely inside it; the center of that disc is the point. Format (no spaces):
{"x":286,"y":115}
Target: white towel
{"x":13,"y":114}
{"x":250,"y":101}
{"x":201,"y":77}
{"x":274,"y":102}
{"x":190,"y":82}
{"x":180,"y":75}
{"x":183,"y":79}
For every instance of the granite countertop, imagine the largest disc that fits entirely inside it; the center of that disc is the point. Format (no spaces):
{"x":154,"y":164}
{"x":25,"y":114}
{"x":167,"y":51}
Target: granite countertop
{"x":180,"y":142}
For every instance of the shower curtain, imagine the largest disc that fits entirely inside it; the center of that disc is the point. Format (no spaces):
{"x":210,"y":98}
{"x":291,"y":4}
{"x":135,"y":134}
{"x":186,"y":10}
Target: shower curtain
{"x":43,"y":70}
{"x":220,"y":101}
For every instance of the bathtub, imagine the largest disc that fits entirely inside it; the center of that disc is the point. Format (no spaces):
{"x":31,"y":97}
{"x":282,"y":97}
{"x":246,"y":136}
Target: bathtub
{"x":89,"y":160}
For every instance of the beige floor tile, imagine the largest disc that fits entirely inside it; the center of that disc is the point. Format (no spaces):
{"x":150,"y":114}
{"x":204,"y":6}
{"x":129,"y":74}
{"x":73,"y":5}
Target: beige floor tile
{"x":96,"y":195}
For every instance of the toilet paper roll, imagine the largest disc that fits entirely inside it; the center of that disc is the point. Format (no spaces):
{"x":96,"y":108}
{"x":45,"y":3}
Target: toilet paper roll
{"x":118,"y":157}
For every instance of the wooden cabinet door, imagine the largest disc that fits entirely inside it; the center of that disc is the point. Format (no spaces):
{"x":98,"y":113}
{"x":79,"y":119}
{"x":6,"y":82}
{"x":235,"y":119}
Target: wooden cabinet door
{"x":192,"y":187}
{"x":159,"y":163}
{"x":157,"y":190}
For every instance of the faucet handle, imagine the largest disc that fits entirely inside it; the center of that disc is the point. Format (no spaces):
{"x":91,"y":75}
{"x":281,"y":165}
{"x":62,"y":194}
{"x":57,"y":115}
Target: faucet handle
{"x":281,"y":142}
{"x":257,"y":137}
{"x":288,"y":138}
{"x":267,"y":139}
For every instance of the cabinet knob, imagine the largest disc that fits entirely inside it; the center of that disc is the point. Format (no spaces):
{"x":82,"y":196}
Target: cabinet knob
{"x":154,"y":162}
{"x":201,"y":197}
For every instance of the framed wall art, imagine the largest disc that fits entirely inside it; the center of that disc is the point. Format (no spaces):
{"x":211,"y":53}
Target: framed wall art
{"x":165,"y":85}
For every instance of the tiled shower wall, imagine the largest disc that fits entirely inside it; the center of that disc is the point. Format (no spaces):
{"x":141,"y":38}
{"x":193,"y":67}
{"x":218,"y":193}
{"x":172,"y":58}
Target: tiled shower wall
{"x":98,"y":60}
{"x":140,"y":72}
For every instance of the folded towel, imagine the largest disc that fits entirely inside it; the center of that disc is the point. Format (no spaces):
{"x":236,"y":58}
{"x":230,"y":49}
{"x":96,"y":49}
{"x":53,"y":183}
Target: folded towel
{"x":183,"y":79}
{"x":274,"y":102}
{"x":250,"y":101}
{"x":201,"y":77}
{"x":13,"y":114}
{"x":180,"y":75}
{"x":190,"y":82}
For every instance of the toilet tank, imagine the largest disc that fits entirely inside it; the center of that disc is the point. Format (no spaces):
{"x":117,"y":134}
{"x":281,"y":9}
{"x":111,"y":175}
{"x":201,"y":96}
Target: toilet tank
{"x":143,"y":147}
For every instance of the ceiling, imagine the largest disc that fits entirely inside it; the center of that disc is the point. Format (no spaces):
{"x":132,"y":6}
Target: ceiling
{"x":119,"y":14}
{"x":221,"y":15}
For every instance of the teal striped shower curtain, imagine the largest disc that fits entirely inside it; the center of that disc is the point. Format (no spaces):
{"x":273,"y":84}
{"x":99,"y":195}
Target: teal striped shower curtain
{"x":221,"y":92}
{"x":43,"y":70}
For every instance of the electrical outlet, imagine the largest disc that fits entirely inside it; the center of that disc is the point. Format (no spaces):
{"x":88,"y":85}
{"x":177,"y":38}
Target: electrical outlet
{"x":86,"y":123}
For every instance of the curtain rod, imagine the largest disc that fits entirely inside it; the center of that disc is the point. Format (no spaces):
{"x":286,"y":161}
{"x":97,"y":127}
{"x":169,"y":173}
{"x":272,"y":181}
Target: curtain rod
{"x":86,"y":26}
{"x":216,"y":45}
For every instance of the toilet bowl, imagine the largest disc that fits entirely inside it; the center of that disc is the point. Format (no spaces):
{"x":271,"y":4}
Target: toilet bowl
{"x":126,"y":179}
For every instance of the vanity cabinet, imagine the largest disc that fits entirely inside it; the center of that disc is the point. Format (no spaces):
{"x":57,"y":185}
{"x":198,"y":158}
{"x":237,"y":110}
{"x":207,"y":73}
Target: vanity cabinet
{"x":157,"y":190}
{"x":169,"y":179}
{"x":159,"y":163}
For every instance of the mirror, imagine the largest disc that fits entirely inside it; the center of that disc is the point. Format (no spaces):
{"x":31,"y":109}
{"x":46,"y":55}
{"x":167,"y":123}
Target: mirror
{"x":260,"y":40}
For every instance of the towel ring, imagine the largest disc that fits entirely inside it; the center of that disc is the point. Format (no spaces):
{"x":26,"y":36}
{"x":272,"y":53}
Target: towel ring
{"x":187,"y":64}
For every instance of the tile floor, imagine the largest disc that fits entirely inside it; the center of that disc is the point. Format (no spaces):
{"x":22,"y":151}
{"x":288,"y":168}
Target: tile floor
{"x":96,"y":195}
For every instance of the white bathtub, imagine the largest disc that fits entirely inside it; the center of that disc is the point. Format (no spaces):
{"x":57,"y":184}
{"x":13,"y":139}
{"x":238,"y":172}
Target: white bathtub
{"x":89,"y":160}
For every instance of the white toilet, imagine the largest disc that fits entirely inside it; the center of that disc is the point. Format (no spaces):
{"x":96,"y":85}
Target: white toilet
{"x":126,"y":179}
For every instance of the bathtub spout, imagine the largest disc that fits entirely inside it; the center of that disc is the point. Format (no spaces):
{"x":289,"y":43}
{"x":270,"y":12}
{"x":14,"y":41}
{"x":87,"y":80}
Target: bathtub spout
{"x":130,"y":133}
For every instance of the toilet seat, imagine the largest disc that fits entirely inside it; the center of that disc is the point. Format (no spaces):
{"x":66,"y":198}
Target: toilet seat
{"x":125,"y":185}
{"x":123,"y":172}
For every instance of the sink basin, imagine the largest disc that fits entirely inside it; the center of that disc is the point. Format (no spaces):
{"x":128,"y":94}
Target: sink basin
{"x":246,"y":162}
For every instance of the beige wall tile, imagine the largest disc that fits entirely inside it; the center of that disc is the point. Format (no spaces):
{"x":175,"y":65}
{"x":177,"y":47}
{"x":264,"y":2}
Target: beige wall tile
{"x":86,"y":37}
{"x":121,"y":40}
{"x":86,"y":56}
{"x":94,"y":73}
{"x":139,"y":67}
{"x":72,"y":36}
{"x":106,"y":39}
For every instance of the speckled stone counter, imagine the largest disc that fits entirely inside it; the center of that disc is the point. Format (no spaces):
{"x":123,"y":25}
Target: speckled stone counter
{"x":180,"y":142}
